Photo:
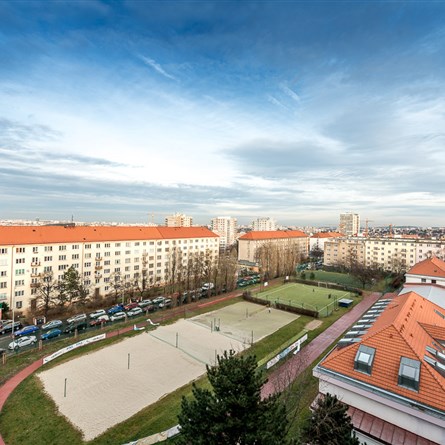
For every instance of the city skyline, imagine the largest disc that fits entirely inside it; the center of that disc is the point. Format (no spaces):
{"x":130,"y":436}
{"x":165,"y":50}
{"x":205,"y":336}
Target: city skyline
{"x":298,"y":111}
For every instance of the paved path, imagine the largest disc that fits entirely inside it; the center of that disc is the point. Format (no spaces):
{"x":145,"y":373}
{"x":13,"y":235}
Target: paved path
{"x":286,"y":374}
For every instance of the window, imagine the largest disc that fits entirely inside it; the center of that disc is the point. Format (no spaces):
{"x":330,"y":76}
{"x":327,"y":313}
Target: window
{"x":48,"y":248}
{"x":117,"y":269}
{"x":127,"y":260}
{"x":20,"y":250}
{"x":127,"y":252}
{"x":35,"y":250}
{"x":19,"y":282}
{"x":3,"y":284}
{"x":75,"y":256}
{"x":423,"y":280}
{"x":63,"y":266}
{"x":62,"y":257}
{"x":75,"y":246}
{"x":87,"y":274}
{"x":117,"y":244}
{"x":20,"y":271}
{"x":3,"y":273}
{"x":19,"y":260}
{"x":364,"y":359}
{"x":97,"y":246}
{"x":107,"y":245}
{"x":87,"y":246}
{"x":117,"y":252}
{"x":47,"y":268}
{"x":409,"y":373}
{"x":88,"y":255}
{"x":107,"y":262}
{"x":87,"y":264}
{"x":107,"y":254}
{"x":117,"y":261}
{"x":18,"y":304}
{"x":3,"y":251}
{"x":127,"y":269}
{"x":127,"y":244}
{"x":48,"y":258}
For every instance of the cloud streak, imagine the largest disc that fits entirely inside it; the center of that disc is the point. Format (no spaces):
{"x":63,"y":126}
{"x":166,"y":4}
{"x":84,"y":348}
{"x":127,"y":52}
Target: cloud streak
{"x":157,"y":67}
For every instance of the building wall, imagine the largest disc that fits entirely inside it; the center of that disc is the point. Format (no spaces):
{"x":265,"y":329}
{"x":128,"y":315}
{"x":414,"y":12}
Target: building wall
{"x":422,"y":279}
{"x":225,"y":227}
{"x":247,"y":248}
{"x":21,"y":266}
{"x":349,"y":224}
{"x":391,"y":254}
{"x":264,"y":225}
{"x":178,"y":220}
{"x":387,"y":409}
{"x":344,"y":251}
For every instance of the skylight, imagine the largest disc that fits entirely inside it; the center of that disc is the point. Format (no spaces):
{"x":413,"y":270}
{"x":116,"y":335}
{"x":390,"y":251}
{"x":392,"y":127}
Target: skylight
{"x":409,"y":373}
{"x":364,"y":359}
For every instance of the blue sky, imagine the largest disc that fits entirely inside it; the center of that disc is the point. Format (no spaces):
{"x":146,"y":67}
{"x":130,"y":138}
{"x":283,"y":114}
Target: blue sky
{"x":299,"y":111}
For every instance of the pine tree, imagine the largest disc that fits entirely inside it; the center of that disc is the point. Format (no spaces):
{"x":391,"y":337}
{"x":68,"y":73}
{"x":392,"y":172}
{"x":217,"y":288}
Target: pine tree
{"x":330,"y":424}
{"x":232,"y":413}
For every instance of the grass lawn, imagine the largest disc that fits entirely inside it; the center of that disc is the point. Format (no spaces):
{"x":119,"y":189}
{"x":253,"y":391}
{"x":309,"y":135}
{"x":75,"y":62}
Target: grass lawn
{"x":334,"y":277}
{"x":305,"y":296}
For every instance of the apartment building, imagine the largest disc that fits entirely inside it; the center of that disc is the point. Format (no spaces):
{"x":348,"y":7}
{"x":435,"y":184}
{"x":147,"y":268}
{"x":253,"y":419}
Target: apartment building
{"x":97,"y":252}
{"x":179,"y":220}
{"x":391,"y":254}
{"x":318,"y":239}
{"x":390,"y":370}
{"x":249,"y":243}
{"x":264,"y":225}
{"x":225,"y":227}
{"x":349,"y":224}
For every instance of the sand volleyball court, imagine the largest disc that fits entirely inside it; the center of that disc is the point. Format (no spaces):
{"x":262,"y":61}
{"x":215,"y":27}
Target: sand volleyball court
{"x":106,"y":387}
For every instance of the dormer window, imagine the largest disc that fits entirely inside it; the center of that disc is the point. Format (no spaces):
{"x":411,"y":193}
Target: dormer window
{"x":409,"y":373}
{"x":364,"y":359}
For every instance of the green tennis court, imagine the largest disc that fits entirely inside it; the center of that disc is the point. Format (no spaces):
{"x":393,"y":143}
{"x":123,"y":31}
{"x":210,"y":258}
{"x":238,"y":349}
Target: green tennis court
{"x":321,"y":299}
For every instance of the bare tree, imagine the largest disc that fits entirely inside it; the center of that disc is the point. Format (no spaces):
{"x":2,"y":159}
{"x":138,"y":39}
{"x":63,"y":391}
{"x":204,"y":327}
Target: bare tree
{"x":46,"y":292}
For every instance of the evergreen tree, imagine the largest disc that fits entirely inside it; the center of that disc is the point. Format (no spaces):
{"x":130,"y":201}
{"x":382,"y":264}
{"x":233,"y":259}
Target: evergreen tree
{"x":330,"y":424}
{"x":232,"y":413}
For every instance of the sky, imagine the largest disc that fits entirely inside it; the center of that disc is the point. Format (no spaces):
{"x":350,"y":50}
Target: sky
{"x":130,"y":111}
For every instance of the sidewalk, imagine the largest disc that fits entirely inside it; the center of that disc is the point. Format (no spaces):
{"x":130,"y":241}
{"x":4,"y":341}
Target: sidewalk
{"x":289,"y":371}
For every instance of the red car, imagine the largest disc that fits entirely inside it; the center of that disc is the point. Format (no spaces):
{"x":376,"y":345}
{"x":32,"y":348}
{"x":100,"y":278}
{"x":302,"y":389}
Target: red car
{"x":100,"y":320}
{"x":129,"y":306}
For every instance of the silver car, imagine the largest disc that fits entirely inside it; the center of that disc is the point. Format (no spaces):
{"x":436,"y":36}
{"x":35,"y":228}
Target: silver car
{"x":76,"y":318}
{"x":52,"y":324}
{"x":23,"y":341}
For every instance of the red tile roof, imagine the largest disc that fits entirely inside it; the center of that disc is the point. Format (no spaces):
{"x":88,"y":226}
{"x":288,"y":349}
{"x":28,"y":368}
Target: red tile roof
{"x":326,"y":235}
{"x":432,"y":267}
{"x":273,"y":234}
{"x":404,"y":329}
{"x":18,"y":235}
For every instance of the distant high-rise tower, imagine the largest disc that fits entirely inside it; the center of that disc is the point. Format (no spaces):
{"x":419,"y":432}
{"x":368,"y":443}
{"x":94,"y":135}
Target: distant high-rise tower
{"x":179,"y":220}
{"x":349,"y":224}
{"x":264,"y":225}
{"x":225,"y":227}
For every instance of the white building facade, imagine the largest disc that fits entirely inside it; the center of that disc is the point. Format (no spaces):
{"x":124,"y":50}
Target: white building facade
{"x":98,"y":253}
{"x":225,"y":227}
{"x":349,"y":224}
{"x":264,"y":225}
{"x":179,"y":220}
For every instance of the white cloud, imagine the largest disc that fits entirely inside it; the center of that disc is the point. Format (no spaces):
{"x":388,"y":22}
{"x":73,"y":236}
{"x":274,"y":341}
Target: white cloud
{"x":157,"y":67}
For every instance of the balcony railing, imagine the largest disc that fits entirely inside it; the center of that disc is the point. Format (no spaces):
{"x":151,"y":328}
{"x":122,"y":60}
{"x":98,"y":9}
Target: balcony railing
{"x":36,"y":263}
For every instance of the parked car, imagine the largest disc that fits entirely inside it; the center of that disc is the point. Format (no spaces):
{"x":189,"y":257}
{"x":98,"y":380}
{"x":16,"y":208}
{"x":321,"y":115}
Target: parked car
{"x":166,"y":303}
{"x":207,"y":286}
{"x":80,"y":326}
{"x":98,"y":313}
{"x":26,"y":330}
{"x":145,"y":303}
{"x":8,"y":327}
{"x":129,"y":306}
{"x":118,"y":316}
{"x":52,"y":324}
{"x":76,"y":318}
{"x":115,"y":309}
{"x":3,"y":322}
{"x":53,"y":333}
{"x":135,"y":311}
{"x":100,"y":320}
{"x":22,"y":341}
{"x":158,"y":300}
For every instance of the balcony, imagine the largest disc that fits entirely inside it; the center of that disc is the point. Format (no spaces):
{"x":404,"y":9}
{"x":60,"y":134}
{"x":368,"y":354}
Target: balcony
{"x":35,"y":285}
{"x":98,"y":258}
{"x":98,"y":267}
{"x":98,"y":275}
{"x":36,"y":275}
{"x":34,"y":264}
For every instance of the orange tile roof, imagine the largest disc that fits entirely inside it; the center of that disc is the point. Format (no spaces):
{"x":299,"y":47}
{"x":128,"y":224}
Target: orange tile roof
{"x":326,"y":235}
{"x":405,"y":328}
{"x":432,"y":267}
{"x":273,"y":234}
{"x":18,"y":235}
